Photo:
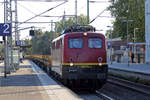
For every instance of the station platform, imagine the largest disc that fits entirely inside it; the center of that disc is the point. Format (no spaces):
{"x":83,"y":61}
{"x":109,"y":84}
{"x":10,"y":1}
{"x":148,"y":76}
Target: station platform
{"x":132,"y":69}
{"x":31,"y":83}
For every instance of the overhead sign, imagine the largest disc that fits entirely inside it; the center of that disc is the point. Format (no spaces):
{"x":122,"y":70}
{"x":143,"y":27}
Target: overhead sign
{"x":5,"y":29}
{"x":108,"y":44}
{"x":18,"y":43}
{"x":127,"y":45}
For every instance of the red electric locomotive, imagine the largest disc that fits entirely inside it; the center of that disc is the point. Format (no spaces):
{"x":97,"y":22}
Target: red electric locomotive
{"x":79,"y":58}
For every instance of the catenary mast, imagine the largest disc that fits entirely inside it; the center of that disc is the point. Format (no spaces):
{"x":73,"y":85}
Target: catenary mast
{"x":147,"y":31}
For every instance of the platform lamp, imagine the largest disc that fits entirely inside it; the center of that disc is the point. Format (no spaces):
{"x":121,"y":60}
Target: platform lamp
{"x":127,"y":30}
{"x":134,"y":40}
{"x":110,"y":43}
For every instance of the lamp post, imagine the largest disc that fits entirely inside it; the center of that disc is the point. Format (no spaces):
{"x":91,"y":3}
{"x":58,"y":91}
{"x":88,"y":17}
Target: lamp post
{"x":110,"y":43}
{"x":134,"y":40}
{"x":134,"y":34}
{"x":128,"y":21}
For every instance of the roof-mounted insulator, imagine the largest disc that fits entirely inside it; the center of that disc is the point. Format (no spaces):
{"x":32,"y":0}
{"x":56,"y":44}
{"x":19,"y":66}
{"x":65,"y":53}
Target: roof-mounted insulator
{"x":80,"y":28}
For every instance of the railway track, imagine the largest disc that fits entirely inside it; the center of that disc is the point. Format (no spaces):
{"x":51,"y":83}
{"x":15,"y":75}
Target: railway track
{"x":140,"y":88}
{"x":88,"y":96}
{"x":134,"y":88}
{"x":97,"y":95}
{"x":103,"y":96}
{"x":85,"y":95}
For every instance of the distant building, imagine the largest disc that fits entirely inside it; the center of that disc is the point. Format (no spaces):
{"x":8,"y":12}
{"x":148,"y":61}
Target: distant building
{"x":120,"y":53}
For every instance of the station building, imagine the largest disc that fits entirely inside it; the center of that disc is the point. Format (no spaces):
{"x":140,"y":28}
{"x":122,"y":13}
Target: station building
{"x":119,"y":51}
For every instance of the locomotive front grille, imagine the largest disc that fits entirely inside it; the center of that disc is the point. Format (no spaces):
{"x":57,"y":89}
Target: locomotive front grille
{"x":86,"y":69}
{"x":83,"y":72}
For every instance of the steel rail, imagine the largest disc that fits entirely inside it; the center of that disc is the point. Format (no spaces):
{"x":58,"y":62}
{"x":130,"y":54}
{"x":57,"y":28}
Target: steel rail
{"x":103,"y":96}
{"x":144,"y":89}
{"x":96,"y":93}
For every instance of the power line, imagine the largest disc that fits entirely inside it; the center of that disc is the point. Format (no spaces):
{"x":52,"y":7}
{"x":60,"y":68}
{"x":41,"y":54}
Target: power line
{"x":99,"y":1}
{"x":58,"y":16}
{"x":50,"y":16}
{"x":27,"y":9}
{"x":42,"y":13}
{"x":25,"y":28}
{"x":106,"y":16}
{"x":98,"y":15}
{"x":35,"y":22}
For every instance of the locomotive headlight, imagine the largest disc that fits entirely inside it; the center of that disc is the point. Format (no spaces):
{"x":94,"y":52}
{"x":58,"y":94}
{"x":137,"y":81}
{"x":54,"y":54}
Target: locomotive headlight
{"x":71,"y":64}
{"x":71,"y":61}
{"x":85,"y":33}
{"x":100,"y":64}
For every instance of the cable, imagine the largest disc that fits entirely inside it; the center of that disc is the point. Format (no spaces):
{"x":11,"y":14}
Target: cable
{"x":98,"y":15}
{"x":27,"y":9}
{"x":107,"y":16}
{"x":99,"y":1}
{"x":36,"y":22}
{"x":25,"y":28}
{"x":43,"y":12}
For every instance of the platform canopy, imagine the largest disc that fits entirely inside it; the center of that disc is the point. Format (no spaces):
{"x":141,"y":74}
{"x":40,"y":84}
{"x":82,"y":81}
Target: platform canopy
{"x":42,"y":0}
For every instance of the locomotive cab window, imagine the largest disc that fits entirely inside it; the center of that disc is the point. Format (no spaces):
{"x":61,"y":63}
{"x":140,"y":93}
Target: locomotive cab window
{"x":95,"y":43}
{"x":75,"y":43}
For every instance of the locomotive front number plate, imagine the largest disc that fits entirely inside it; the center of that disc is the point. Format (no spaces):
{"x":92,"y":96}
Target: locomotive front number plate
{"x":85,"y":67}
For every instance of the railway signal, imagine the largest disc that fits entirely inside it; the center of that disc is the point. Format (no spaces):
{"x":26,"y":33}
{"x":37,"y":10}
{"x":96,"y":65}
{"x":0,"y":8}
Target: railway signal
{"x":32,"y":32}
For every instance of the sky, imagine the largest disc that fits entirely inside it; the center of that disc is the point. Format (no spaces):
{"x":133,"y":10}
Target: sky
{"x":28,"y":9}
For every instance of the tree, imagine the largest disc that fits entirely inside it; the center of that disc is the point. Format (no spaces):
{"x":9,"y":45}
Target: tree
{"x":128,"y":10}
{"x":41,"y":41}
{"x":28,"y":50}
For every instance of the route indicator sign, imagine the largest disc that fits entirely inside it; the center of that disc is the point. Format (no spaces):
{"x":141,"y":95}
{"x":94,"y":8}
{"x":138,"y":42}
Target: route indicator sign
{"x":5,"y":29}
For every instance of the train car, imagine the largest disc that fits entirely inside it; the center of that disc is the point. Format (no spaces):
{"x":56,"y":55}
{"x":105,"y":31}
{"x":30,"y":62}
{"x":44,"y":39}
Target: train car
{"x":79,"y":58}
{"x":44,"y":61}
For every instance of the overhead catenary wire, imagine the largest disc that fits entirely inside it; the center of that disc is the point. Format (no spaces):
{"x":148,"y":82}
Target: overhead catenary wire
{"x":57,"y":16}
{"x":98,"y":15}
{"x":42,"y":13}
{"x":25,"y":28}
{"x":50,"y":16}
{"x":36,"y":22}
{"x":107,"y":16}
{"x":99,"y":1}
{"x":27,"y":9}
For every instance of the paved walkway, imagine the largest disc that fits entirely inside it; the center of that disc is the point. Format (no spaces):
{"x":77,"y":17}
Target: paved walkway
{"x":139,"y":68}
{"x":31,"y":83}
